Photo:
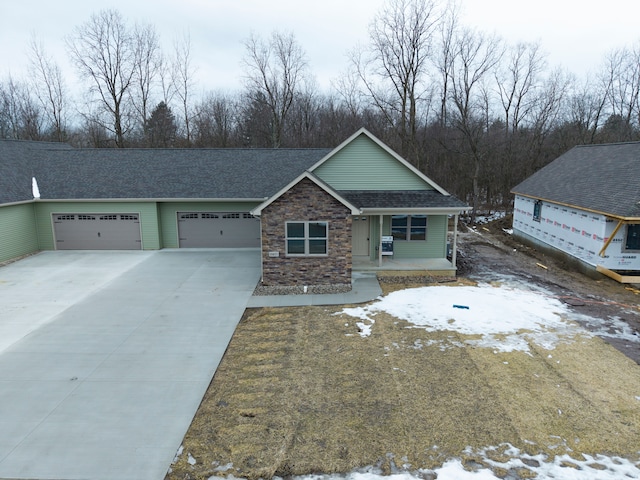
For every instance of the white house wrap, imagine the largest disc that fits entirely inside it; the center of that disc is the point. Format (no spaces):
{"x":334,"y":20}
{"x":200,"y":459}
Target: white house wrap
{"x":586,"y":203}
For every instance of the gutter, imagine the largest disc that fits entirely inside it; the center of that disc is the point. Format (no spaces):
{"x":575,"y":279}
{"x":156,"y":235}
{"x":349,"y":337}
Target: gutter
{"x":429,"y":211}
{"x":23,"y":202}
{"x":158,"y":200}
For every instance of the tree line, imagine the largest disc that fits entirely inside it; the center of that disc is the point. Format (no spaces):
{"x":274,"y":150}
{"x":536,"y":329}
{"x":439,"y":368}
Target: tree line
{"x":473,"y":112}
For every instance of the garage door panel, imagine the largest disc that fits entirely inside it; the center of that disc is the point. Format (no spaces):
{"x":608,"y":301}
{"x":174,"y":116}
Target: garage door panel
{"x":97,"y":231}
{"x":218,"y":230}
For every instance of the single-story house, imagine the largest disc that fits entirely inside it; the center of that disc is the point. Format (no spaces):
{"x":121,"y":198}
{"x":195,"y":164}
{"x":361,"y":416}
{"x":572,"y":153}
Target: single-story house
{"x":313,"y":212}
{"x":586,"y":204}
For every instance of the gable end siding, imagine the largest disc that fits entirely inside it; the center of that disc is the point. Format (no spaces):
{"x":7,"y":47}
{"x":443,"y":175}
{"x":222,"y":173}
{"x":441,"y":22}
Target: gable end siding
{"x":364,"y":165}
{"x":18,"y":234}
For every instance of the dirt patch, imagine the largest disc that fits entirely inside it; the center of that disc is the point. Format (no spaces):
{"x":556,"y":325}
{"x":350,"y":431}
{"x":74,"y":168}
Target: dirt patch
{"x":300,"y":391}
{"x":488,"y":253}
{"x":392,"y":280}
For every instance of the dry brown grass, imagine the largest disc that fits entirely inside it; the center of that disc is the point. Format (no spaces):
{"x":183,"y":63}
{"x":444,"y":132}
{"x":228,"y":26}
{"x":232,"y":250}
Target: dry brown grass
{"x":299,"y":391}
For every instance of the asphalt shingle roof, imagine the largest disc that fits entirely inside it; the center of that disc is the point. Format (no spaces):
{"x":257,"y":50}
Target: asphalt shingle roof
{"x":401,"y":199}
{"x":69,"y":173}
{"x":16,"y":157}
{"x":601,"y":178}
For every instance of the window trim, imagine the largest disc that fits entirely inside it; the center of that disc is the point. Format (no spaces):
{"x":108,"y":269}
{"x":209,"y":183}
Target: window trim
{"x":408,"y":228}
{"x":306,"y":238}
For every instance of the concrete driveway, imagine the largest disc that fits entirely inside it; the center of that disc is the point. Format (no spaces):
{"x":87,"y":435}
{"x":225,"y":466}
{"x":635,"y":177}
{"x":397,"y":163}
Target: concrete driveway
{"x":105,"y":356}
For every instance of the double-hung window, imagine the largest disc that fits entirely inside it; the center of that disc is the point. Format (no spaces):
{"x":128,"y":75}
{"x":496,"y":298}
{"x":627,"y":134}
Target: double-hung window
{"x":409,"y":227}
{"x":307,"y":238}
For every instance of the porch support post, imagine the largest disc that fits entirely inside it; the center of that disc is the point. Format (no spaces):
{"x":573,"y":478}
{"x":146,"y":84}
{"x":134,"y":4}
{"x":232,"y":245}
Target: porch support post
{"x":380,"y":244}
{"x":454,"y":252}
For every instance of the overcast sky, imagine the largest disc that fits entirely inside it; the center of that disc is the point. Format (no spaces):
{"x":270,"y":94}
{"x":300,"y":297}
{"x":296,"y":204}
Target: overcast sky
{"x":575,"y":33}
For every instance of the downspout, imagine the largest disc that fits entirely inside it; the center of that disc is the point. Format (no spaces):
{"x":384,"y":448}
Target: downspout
{"x":380,"y":243}
{"x":455,"y":242}
{"x":610,"y":239}
{"x":261,"y":256}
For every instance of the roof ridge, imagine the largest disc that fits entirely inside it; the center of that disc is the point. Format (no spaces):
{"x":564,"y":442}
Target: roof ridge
{"x":630,"y":142}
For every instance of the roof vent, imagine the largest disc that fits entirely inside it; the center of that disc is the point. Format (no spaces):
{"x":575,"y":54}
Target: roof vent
{"x":34,"y":188}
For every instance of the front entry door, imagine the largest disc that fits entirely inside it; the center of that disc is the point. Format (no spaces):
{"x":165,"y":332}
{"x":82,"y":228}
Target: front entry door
{"x":360,"y":236}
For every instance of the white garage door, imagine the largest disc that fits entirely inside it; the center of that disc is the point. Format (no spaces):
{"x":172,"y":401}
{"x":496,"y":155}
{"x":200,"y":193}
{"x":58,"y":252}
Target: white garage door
{"x":218,"y":230}
{"x":113,"y":231}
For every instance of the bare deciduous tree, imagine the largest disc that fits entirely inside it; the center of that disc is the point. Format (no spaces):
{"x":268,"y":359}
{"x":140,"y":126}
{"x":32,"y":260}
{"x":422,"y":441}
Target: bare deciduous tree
{"x":517,"y":82}
{"x":393,"y":69}
{"x":476,"y":56}
{"x":216,"y":121}
{"x":620,"y":78}
{"x":20,"y":114}
{"x":182,"y":79}
{"x":443,"y":59}
{"x":586,"y":104}
{"x":147,"y":69}
{"x":50,"y":88}
{"x":104,"y":52}
{"x":275,"y":70}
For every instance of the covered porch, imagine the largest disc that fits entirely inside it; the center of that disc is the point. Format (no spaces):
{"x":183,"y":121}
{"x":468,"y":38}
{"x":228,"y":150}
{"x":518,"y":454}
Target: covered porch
{"x":405,"y":230}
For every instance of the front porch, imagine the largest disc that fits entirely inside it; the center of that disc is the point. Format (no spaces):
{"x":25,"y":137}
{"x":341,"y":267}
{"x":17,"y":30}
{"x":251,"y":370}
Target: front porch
{"x":433,"y":266}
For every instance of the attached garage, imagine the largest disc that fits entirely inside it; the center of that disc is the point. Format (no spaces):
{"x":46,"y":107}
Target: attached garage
{"x":88,"y":231}
{"x":218,"y":230}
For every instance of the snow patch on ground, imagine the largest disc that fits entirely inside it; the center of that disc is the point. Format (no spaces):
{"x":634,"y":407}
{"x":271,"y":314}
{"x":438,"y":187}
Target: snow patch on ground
{"x":490,"y":217}
{"x":539,"y":466}
{"x":505,"y":318}
{"x":614,"y":327}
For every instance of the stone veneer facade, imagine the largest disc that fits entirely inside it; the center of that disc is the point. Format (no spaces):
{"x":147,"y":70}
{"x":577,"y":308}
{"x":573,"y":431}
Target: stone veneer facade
{"x":306,"y":202}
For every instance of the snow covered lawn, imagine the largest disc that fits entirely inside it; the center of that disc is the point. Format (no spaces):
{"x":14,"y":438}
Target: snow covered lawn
{"x":459,"y":382}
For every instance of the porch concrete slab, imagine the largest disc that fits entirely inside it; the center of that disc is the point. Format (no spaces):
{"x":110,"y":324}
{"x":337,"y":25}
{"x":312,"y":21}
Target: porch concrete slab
{"x":391,"y":263}
{"x":365,"y":287}
{"x":108,"y":355}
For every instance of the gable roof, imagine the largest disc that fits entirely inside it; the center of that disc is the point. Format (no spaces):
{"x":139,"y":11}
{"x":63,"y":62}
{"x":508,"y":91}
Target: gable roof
{"x":434,"y":201}
{"x":310,"y":176}
{"x":90,"y":174}
{"x":600,"y":178}
{"x":239,"y":174}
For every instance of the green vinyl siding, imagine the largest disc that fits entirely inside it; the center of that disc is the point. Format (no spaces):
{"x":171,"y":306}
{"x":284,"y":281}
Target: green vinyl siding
{"x":169,"y":215}
{"x":364,"y":165}
{"x":434,"y":247}
{"x":149,"y":227}
{"x":18,"y":234}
